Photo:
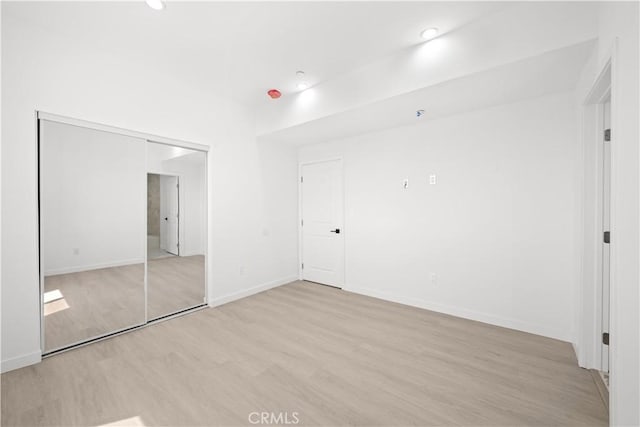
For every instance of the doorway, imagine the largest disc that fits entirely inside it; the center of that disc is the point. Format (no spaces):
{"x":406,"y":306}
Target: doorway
{"x":163,"y":215}
{"x":322,"y":222}
{"x":595,"y":349}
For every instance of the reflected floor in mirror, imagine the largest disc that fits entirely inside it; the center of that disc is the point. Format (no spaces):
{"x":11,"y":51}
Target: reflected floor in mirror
{"x":174,"y":283}
{"x":80,"y":306}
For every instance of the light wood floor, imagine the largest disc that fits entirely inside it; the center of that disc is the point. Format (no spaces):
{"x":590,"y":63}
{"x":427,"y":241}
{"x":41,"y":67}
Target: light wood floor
{"x":333,"y":357}
{"x":97,"y":302}
{"x":174,"y":283}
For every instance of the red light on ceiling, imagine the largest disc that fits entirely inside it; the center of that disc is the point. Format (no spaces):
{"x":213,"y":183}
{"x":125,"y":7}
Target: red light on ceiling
{"x":274,"y":93}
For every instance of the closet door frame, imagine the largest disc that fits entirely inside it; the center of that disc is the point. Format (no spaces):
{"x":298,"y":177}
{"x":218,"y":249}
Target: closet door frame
{"x":41,"y":115}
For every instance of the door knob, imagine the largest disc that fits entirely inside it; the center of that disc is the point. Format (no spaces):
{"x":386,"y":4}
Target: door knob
{"x":166,"y":218}
{"x":337,"y":231}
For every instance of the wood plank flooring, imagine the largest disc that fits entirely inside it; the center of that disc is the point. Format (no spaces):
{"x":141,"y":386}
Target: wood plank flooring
{"x":94,"y":302}
{"x":174,"y":283}
{"x":332,"y":357}
{"x":97,"y":302}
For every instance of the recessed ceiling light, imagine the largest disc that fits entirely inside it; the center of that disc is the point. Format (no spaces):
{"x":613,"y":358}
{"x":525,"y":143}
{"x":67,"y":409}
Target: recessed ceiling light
{"x":155,"y":4}
{"x":429,"y":33}
{"x":302,"y":85}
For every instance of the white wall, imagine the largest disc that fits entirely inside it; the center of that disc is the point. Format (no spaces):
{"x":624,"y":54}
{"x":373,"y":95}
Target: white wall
{"x":92,"y":192}
{"x":190,"y":166}
{"x":256,"y":206}
{"x":158,"y":153}
{"x":588,"y":314}
{"x":92,"y":198}
{"x":252,"y":203}
{"x":498,"y":229}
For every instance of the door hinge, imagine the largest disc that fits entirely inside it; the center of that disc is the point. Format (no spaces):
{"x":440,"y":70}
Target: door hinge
{"x":607,"y":237}
{"x":605,"y":338}
{"x":302,"y":222}
{"x":303,"y":265}
{"x":301,"y":179}
{"x":607,"y":135}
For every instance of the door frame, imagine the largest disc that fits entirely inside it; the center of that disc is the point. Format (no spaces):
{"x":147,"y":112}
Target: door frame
{"x":600,"y":149}
{"x":301,"y":164}
{"x":589,"y":339}
{"x":180,"y":206}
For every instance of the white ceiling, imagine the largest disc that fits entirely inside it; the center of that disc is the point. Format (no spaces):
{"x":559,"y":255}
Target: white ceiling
{"x":246,"y":48}
{"x":551,"y":72}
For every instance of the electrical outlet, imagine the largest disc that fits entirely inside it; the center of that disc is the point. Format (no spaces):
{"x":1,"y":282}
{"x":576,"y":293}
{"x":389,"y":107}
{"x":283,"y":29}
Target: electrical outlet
{"x":405,"y":183}
{"x":432,"y":179}
{"x":434,"y":279}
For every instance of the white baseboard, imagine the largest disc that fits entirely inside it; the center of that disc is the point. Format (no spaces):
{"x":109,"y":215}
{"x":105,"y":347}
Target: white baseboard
{"x":191,"y":253}
{"x":466,"y":314}
{"x":214,"y":302}
{"x":576,"y":350}
{"x":20,"y":361}
{"x":77,"y":269}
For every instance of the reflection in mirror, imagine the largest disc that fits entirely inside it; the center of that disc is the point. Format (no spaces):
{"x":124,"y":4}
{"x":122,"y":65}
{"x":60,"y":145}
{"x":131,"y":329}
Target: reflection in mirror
{"x":176,"y":229}
{"x":92,"y":186}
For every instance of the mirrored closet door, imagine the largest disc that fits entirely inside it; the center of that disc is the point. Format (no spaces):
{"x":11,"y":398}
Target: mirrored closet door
{"x":176,"y":229}
{"x":122,"y":231}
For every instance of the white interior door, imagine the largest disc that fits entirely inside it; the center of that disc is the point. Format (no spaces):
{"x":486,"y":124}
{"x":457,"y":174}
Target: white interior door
{"x":322,"y":223}
{"x":606,"y":214}
{"x":169,"y":208}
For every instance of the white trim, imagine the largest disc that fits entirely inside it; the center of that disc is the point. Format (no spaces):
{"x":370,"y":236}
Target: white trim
{"x":614,"y":312}
{"x":589,"y":341}
{"x":39,"y":234}
{"x":81,"y":268}
{"x":215,"y":302}
{"x":601,"y":86}
{"x":205,"y":226}
{"x":300,"y":257}
{"x":154,"y":172}
{"x":20,"y":361}
{"x":600,"y":203}
{"x":146,"y":233}
{"x":591,"y":302}
{"x":113,"y":129}
{"x":192,"y":253}
{"x":490,"y":319}
{"x":344,"y":212}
